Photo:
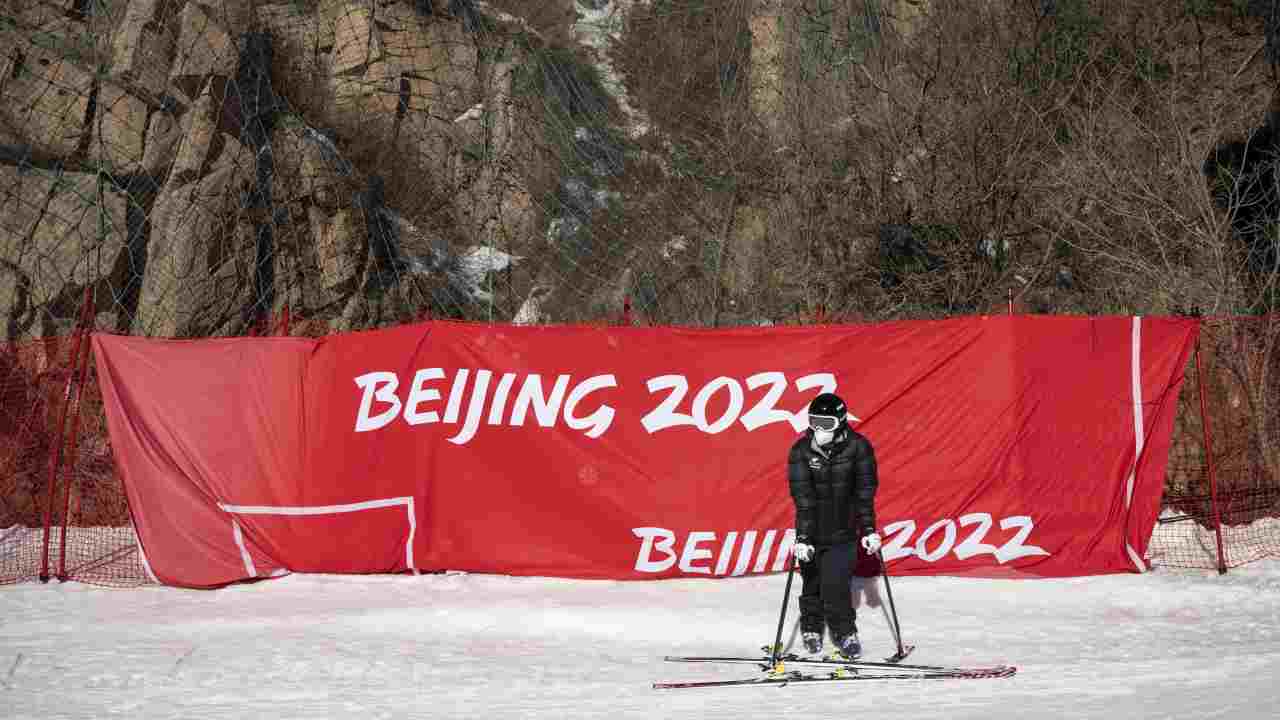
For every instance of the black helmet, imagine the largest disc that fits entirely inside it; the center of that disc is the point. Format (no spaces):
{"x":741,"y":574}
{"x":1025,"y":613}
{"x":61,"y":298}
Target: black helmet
{"x":827,"y":412}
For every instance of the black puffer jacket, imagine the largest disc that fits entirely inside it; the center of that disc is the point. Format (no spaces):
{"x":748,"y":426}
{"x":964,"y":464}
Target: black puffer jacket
{"x":834,"y":489}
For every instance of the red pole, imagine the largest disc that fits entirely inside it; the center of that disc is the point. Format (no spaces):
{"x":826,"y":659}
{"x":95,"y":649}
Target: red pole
{"x":1010,"y":301}
{"x":73,"y":442}
{"x":1208,"y":453}
{"x":55,"y":454}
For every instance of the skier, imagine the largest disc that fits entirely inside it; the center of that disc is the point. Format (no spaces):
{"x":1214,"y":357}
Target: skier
{"x":832,"y":473}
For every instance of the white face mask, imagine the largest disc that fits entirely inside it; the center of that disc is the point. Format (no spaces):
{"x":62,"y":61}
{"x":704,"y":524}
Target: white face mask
{"x":823,"y":437}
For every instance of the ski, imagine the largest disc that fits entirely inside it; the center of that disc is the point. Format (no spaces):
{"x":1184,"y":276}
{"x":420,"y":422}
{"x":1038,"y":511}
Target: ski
{"x":764,"y":662}
{"x":788,"y":678}
{"x":894,"y":659}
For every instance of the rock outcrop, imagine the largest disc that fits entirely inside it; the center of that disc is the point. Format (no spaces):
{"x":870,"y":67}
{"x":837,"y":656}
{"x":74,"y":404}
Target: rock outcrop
{"x":354,"y":166}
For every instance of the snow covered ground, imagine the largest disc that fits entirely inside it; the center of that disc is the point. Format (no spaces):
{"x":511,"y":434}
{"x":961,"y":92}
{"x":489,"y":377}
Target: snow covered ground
{"x":1163,"y":645}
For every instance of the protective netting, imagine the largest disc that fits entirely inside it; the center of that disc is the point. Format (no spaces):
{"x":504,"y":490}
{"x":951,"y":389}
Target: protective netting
{"x":205,"y":163}
{"x":236,"y":167}
{"x":91,"y":535}
{"x":56,"y":470}
{"x":30,"y":387}
{"x":1239,"y":514}
{"x":63,"y":511}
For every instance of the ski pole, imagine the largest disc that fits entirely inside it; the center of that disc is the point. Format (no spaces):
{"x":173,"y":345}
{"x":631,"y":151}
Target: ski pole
{"x":897,"y":629}
{"x":782,"y":616}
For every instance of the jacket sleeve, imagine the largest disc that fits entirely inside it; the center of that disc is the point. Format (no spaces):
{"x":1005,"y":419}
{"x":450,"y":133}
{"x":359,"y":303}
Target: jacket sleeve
{"x":865,"y":482}
{"x":801,"y":481}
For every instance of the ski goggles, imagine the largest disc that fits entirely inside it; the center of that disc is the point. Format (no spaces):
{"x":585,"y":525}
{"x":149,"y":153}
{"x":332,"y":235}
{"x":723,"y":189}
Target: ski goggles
{"x":826,"y":423}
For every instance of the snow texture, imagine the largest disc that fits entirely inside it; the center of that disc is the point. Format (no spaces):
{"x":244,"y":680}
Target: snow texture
{"x":1161,"y":645}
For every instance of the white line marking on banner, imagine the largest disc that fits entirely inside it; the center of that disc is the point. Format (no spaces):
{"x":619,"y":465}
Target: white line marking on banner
{"x":304,"y":510}
{"x":249,"y":567}
{"x":1139,"y":436}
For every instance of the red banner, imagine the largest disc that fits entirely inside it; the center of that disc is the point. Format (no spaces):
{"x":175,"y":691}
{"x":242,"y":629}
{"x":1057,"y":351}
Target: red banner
{"x":1007,"y":446}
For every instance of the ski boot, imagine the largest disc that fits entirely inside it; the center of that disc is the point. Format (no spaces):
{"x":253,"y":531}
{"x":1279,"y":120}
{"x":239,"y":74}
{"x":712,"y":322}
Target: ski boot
{"x":848,"y":646}
{"x":812,"y":642}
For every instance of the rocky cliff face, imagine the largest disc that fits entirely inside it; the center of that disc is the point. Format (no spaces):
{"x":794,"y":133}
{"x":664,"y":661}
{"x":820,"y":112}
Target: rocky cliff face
{"x":202,"y":164}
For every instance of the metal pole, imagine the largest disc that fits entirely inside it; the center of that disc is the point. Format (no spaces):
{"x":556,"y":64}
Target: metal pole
{"x":897,"y":629}
{"x":55,"y":452}
{"x":776,"y":650}
{"x":73,"y":443}
{"x":1208,"y":454}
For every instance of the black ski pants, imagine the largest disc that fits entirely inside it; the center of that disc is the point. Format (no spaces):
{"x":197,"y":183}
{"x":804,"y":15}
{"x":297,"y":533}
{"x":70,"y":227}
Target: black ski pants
{"x":824,"y":592}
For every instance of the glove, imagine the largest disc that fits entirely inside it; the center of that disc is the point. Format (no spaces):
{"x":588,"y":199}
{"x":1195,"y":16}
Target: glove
{"x":802,"y":550}
{"x":871,"y":543}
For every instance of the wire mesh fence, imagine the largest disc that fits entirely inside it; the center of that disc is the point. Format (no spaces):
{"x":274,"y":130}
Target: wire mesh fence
{"x":63,"y":509}
{"x":32,"y":381}
{"x":64,"y":512}
{"x":236,"y":167}
{"x":1222,"y":498}
{"x":1202,"y":532}
{"x":203,"y":164}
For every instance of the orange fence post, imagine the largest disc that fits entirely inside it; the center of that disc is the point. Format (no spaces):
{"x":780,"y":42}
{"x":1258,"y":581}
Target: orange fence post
{"x":55,"y":455}
{"x":1208,"y":454}
{"x":81,"y":376}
